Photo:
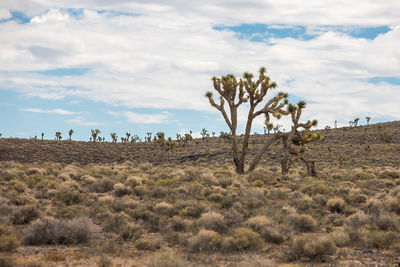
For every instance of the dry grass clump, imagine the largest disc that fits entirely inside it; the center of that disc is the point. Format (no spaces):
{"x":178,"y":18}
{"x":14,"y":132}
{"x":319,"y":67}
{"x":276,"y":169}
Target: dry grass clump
{"x":8,"y":241}
{"x":380,"y":239}
{"x":116,"y":222}
{"x":243,"y":239}
{"x":336,"y":204}
{"x":50,"y":231}
{"x":205,"y":240}
{"x":147,"y":244}
{"x":102,"y":185}
{"x":120,"y":189}
{"x":212,"y":221}
{"x":341,"y":238}
{"x":169,"y":259}
{"x":304,"y":223}
{"x":131,"y":231}
{"x":313,"y":245}
{"x":358,"y":219}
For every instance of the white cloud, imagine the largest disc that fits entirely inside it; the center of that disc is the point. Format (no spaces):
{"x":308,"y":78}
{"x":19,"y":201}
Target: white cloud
{"x":165,"y":58}
{"x":133,"y":117}
{"x":81,"y":121}
{"x":51,"y":111}
{"x":4,"y":13}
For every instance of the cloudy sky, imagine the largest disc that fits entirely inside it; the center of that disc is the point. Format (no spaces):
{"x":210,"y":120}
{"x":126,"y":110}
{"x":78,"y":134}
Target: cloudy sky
{"x":144,"y":66}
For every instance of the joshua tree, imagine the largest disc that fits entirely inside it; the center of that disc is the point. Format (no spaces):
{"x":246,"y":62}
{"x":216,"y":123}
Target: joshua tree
{"x":1,"y":135}
{"x":204,"y":134}
{"x":135,"y":138}
{"x":148,"y":137}
{"x":128,"y":135}
{"x":276,"y":128}
{"x":355,"y":123}
{"x":70,"y":134}
{"x":114,"y":137}
{"x":294,"y":141}
{"x":95,"y":132}
{"x":335,"y":124}
{"x":268,"y":128}
{"x":245,"y":90}
{"x":213,"y":134}
{"x":58,"y":136}
{"x":351,"y":123}
{"x":368,"y":119}
{"x":42,"y":136}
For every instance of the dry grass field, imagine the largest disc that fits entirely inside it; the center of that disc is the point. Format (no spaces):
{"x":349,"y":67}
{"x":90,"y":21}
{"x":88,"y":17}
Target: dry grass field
{"x":68,"y":203}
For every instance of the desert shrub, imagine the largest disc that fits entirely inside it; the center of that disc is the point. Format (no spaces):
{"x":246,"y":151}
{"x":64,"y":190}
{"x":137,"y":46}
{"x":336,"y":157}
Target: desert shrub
{"x":358,"y":219}
{"x":124,"y":203}
{"x":69,"y":196}
{"x":191,"y":209}
{"x":163,"y":208}
{"x":225,"y":181}
{"x":158,"y":192}
{"x":313,"y":245}
{"x":147,"y":244}
{"x":116,"y":222}
{"x":120,"y":189}
{"x":303,"y":223}
{"x":102,"y":185}
{"x":216,"y":197}
{"x":394,"y":204}
{"x":336,"y":205}
{"x":179,"y":224}
{"x":25,"y":214}
{"x":134,"y":181}
{"x":140,"y":190}
{"x":245,"y":238}
{"x":258,"y":183}
{"x":49,"y":231}
{"x":363,"y":176}
{"x":104,"y":262}
{"x":262,"y":225}
{"x":8,"y":241}
{"x":313,"y":187}
{"x":374,"y":206}
{"x":340,"y":238}
{"x":380,"y":239}
{"x":387,"y":222}
{"x":168,"y":260}
{"x":131,"y":231}
{"x":205,"y":240}
{"x":212,"y":221}
{"x":7,"y":262}
{"x":389,"y":174}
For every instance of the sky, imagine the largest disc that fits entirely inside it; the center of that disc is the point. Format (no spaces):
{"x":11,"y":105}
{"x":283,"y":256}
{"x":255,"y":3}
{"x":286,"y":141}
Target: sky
{"x":145,"y":66}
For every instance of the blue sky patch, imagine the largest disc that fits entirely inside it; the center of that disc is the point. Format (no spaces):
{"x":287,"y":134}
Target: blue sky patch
{"x":18,"y":17}
{"x":64,"y":72}
{"x":263,"y":32}
{"x":389,"y":80}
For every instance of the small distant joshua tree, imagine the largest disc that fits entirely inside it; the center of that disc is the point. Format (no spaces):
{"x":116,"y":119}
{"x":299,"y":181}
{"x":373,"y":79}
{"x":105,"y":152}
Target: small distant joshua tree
{"x":335,"y":124}
{"x":367,"y":119}
{"x":213,"y":134}
{"x":351,"y":123}
{"x":95,"y":133}
{"x":42,"y":136}
{"x":58,"y":136}
{"x":128,"y":135}
{"x":268,"y":128}
{"x":147,"y":138}
{"x":204,"y":134}
{"x":1,"y":135}
{"x":70,"y":134}
{"x":355,"y":123}
{"x":114,"y":137}
{"x":135,"y":139}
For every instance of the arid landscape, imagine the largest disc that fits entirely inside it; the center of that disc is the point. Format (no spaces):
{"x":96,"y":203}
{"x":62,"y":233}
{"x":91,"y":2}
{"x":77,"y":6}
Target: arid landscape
{"x":70,"y":203}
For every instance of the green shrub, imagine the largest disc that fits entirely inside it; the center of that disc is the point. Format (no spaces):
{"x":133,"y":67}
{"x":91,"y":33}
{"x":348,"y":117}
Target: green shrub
{"x":8,"y":241}
{"x":304,"y":223}
{"x":69,"y":196}
{"x":116,"y":222}
{"x":380,"y":239}
{"x":258,"y":183}
{"x":313,"y":245}
{"x":163,"y":208}
{"x":131,"y":231}
{"x":212,"y":221}
{"x":205,"y":240}
{"x":120,"y":190}
{"x":245,"y":238}
{"x":102,"y":185}
{"x":25,"y":214}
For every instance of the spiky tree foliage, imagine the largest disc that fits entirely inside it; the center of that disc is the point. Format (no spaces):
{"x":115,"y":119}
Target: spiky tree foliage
{"x":294,"y":141}
{"x":128,"y":135}
{"x":268,"y":128}
{"x":114,"y":137}
{"x":42,"y":136}
{"x":236,"y":92}
{"x":58,"y":136}
{"x":335,"y":124}
{"x":70,"y":134}
{"x":135,"y":138}
{"x":355,"y":122}
{"x":95,"y":132}
{"x":1,"y":135}
{"x":367,"y":119}
{"x":187,"y":138}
